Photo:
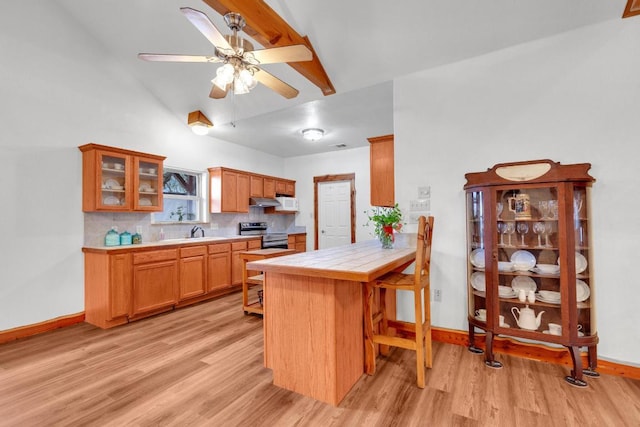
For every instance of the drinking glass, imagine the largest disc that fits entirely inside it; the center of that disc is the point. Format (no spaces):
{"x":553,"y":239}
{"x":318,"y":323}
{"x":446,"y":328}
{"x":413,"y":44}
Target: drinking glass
{"x":511,"y":228}
{"x":538,"y":228}
{"x":543,"y":205}
{"x":523,"y":229}
{"x":499,"y":208}
{"x":548,"y":229}
{"x":553,"y":209}
{"x":502,"y":229}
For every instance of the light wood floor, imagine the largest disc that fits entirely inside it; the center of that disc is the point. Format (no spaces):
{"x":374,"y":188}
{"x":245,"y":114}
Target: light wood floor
{"x":202,"y":365}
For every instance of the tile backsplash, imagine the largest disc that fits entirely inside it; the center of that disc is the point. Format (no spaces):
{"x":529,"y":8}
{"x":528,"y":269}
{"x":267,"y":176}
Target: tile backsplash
{"x":96,"y":225}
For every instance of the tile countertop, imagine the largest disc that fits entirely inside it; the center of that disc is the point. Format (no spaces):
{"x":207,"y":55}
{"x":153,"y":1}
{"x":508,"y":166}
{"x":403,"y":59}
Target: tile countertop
{"x":170,"y":243}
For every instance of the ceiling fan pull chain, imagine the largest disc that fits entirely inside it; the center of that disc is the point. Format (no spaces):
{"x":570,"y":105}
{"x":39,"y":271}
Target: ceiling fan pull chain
{"x":233,"y":101}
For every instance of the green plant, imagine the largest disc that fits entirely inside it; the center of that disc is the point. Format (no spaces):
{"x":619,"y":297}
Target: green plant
{"x":179,"y":212}
{"x":385,"y":221}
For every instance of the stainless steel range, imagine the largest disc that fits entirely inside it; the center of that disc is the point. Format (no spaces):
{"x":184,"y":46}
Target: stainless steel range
{"x":269,"y":240}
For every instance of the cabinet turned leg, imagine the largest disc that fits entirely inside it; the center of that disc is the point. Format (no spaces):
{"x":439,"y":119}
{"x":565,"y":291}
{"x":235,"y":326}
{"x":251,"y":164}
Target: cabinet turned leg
{"x":575,"y":379}
{"x":593,"y":363}
{"x":489,"y":360}
{"x":472,"y":341}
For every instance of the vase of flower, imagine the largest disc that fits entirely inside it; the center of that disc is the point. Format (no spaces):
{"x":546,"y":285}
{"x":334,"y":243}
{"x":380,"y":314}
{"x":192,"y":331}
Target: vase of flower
{"x":386,"y":222}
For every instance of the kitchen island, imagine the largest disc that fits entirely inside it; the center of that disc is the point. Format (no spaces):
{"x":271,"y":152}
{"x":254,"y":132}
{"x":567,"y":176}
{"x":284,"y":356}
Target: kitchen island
{"x":313,"y":314}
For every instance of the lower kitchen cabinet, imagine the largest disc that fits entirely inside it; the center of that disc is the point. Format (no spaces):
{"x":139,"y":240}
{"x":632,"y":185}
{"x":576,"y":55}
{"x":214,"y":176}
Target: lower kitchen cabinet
{"x":219,"y":268}
{"x":107,"y":296}
{"x":155,"y":281}
{"x":128,"y":283}
{"x":193,"y":272}
{"x":297,"y":242}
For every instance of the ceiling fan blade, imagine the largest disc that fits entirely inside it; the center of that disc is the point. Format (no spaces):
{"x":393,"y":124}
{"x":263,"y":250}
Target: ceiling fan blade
{"x":295,"y":53}
{"x":275,"y":84}
{"x":206,"y":27}
{"x":217,"y":93}
{"x":162,"y":57}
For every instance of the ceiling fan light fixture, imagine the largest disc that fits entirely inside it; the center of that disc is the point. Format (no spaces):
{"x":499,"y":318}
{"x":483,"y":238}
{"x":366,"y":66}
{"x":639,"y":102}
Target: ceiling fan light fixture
{"x":199,"y":123}
{"x":239,"y":88}
{"x":312,"y":134}
{"x":247,"y":78}
{"x":224,"y":76}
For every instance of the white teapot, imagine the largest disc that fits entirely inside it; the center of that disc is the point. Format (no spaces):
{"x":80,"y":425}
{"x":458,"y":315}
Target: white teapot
{"x":527,"y":318}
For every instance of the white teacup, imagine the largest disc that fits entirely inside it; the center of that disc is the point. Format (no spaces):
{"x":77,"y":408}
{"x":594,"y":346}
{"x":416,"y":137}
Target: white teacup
{"x":555,"y":329}
{"x":118,"y":166}
{"x":501,"y":320}
{"x":481,"y":313}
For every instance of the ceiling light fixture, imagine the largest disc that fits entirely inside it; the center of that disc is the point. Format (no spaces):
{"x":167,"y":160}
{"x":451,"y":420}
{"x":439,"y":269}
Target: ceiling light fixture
{"x":199,"y":123}
{"x":312,"y":134}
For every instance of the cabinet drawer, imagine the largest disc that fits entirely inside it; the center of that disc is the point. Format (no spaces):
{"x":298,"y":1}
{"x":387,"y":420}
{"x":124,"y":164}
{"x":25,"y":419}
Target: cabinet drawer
{"x":152,"y":256}
{"x":254,"y":244}
{"x":291,"y":240}
{"x":219,"y":248}
{"x":193,"y":251}
{"x":301,"y":238}
{"x":239,"y":246}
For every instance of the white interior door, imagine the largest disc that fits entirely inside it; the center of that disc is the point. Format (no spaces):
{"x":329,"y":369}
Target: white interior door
{"x":334,"y":214}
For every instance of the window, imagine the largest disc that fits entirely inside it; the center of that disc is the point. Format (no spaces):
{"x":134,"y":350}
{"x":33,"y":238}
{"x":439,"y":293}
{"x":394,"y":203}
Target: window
{"x":183,"y":193}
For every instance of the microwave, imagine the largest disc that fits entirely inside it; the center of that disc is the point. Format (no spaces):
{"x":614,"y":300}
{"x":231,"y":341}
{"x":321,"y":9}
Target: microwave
{"x":287,"y":204}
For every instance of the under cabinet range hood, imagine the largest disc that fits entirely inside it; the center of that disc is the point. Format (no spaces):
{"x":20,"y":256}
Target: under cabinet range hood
{"x":263,"y":202}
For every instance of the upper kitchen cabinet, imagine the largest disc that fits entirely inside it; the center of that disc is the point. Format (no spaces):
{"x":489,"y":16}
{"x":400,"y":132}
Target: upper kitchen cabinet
{"x":114,"y":179}
{"x":382,"y":171}
{"x":229,"y":190}
{"x":285,"y":188}
{"x":269,"y":187}
{"x":256,"y":186}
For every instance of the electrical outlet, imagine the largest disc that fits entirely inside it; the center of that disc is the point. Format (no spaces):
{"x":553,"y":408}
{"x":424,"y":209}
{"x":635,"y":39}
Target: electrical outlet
{"x":437,"y":295}
{"x":213,"y":226}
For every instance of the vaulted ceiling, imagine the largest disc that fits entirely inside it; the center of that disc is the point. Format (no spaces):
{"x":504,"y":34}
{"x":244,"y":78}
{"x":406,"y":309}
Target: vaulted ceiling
{"x":362,"y":45}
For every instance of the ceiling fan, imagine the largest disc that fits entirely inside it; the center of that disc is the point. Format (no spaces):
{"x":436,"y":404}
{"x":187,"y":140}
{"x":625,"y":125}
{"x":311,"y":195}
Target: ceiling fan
{"x":241,"y":71}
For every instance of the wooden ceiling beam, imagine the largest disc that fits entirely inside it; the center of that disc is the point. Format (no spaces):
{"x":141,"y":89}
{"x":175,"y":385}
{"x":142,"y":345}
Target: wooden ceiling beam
{"x":269,"y":29}
{"x":632,"y":8}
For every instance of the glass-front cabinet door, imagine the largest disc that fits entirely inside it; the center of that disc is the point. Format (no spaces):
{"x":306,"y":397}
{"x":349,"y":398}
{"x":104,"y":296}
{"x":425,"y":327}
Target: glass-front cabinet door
{"x":114,"y":187}
{"x":148,"y":184}
{"x":529,"y":258}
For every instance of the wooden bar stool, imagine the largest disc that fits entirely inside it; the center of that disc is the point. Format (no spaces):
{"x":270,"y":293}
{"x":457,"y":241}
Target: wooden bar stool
{"x":420,"y":330}
{"x":247,"y":281}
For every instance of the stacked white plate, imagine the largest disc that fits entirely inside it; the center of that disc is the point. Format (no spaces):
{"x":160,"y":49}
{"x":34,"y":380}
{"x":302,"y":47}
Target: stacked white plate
{"x":551,"y":297}
{"x":581,"y":263}
{"x":551,"y":269}
{"x":505,"y":266}
{"x":477,"y":258}
{"x":506,"y":292}
{"x":478,"y":281}
{"x":523,"y":282}
{"x":582,"y":291}
{"x":523,"y":260}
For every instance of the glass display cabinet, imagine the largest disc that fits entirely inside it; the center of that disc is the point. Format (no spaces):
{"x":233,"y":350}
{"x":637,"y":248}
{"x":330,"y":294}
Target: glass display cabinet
{"x":115,"y":179}
{"x":529,"y":259}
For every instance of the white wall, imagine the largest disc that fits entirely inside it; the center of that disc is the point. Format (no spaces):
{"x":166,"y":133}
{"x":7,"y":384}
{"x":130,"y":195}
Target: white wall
{"x":573,"y":98}
{"x":59,"y":90}
{"x":304,"y":168}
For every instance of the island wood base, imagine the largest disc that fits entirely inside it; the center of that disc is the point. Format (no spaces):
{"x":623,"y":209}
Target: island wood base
{"x":313,"y":334}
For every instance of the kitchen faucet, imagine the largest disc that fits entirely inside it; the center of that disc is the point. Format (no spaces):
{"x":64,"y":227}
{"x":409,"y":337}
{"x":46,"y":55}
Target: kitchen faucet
{"x":195,"y":229}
